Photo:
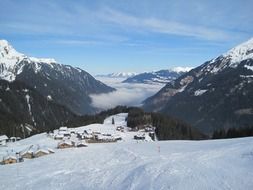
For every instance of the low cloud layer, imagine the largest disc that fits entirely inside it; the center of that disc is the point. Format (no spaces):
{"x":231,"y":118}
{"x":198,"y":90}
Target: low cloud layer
{"x":126,"y":94}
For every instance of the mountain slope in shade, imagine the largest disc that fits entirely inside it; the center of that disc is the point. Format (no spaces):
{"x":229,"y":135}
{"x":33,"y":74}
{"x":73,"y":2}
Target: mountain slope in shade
{"x":215,"y":95}
{"x":162,"y":76}
{"x":65,"y":84}
{"x":21,"y":105}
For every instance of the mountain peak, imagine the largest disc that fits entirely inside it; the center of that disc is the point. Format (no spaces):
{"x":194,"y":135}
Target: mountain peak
{"x":241,"y":52}
{"x":10,"y":56}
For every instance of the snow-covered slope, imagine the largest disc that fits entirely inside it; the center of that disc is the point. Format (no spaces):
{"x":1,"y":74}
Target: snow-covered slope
{"x":241,"y":52}
{"x":212,"y":164}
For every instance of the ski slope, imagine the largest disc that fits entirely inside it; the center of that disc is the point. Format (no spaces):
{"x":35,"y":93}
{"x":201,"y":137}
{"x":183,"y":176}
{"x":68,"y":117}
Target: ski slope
{"x":211,"y":164}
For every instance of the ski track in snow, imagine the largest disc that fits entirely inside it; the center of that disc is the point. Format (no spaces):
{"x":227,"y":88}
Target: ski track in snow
{"x":210,"y":164}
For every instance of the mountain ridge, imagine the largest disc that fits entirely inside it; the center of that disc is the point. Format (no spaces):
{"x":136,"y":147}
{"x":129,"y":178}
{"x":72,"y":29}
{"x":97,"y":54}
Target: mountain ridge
{"x":214,"y":95}
{"x":161,"y":77}
{"x":67,"y":85}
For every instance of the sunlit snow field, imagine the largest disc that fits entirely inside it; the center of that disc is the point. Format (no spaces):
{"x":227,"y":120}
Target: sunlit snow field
{"x":128,"y":164}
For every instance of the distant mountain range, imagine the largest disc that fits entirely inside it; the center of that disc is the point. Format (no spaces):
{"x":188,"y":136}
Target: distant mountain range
{"x":162,"y":76}
{"x":218,"y":94}
{"x":118,"y":75}
{"x":66,"y":85}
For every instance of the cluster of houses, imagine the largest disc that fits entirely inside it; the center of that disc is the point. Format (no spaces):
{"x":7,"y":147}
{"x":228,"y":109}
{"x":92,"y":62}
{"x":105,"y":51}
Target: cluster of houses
{"x":34,"y":151}
{"x":143,"y":130}
{"x":4,"y":139}
{"x":69,"y":138}
{"x":78,"y":138}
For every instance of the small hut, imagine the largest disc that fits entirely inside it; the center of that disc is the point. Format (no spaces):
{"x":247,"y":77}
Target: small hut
{"x":3,"y":139}
{"x":139,"y":137}
{"x":27,"y":154}
{"x":10,"y":159}
{"x":65,"y":144}
{"x":13,"y":139}
{"x":58,"y":136}
{"x":81,"y":144}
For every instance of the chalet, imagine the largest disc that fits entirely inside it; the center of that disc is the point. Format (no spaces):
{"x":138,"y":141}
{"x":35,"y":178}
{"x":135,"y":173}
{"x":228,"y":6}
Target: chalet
{"x":3,"y":139}
{"x":58,"y":136}
{"x":67,"y":134}
{"x":13,"y":139}
{"x":120,"y":128}
{"x":139,"y":137}
{"x":41,"y":152}
{"x":87,"y":136}
{"x":152,"y":135}
{"x":65,"y":144}
{"x":35,"y":152}
{"x":10,"y":159}
{"x":81,"y":144}
{"x":117,"y":137}
{"x":27,"y":154}
{"x":149,"y":128}
{"x":88,"y":132}
{"x":63,"y":128}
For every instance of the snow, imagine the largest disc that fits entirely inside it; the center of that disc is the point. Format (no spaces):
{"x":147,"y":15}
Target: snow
{"x":181,"y":69}
{"x":29,"y":108}
{"x":129,"y":164}
{"x":119,"y":75}
{"x":249,"y":67}
{"x":43,"y":60}
{"x":241,"y":52}
{"x":28,"y":103}
{"x":224,"y":164}
{"x":10,"y":59}
{"x":3,"y":137}
{"x":199,"y":92}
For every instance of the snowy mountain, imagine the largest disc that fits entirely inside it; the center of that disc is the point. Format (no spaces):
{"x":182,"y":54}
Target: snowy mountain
{"x":162,"y":76}
{"x":118,"y":75}
{"x":214,"y":95}
{"x":67,"y":85}
{"x":209,"y":164}
{"x":24,"y":111}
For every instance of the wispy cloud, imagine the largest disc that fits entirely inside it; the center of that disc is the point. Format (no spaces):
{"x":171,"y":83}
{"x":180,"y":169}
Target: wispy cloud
{"x":162,"y":26}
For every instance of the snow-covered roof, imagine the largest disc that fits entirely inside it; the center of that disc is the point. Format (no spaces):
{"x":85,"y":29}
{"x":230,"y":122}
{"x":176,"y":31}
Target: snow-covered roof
{"x":42,"y":150}
{"x":65,"y":142}
{"x":81,"y":143}
{"x":26,"y":152}
{"x":63,"y":128}
{"x":3,"y":137}
{"x":14,"y":157}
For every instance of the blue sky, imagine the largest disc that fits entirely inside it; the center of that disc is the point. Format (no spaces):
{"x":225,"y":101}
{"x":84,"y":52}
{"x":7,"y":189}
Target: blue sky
{"x":126,"y":35}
